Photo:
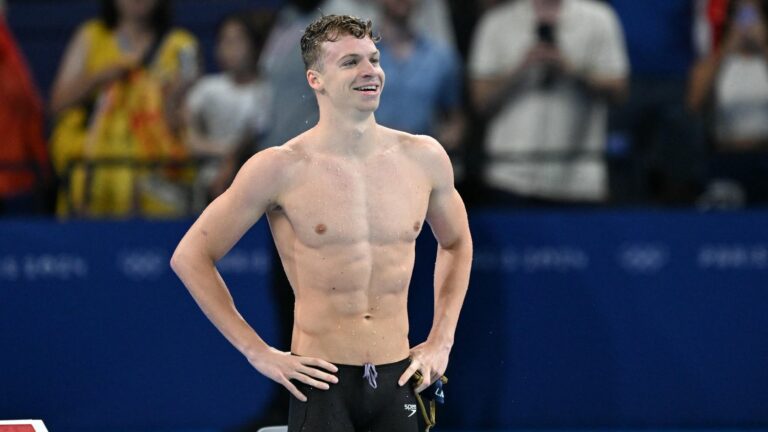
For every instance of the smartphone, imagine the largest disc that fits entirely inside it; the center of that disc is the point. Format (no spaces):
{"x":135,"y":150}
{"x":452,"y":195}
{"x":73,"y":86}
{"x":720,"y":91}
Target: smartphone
{"x":545,"y":32}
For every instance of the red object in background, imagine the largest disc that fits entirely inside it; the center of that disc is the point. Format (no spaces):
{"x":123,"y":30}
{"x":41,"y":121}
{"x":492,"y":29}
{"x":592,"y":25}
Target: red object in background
{"x":17,"y":428}
{"x":717,"y":11}
{"x":21,"y":120}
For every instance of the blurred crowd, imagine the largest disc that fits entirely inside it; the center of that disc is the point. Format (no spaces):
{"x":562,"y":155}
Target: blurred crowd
{"x":540,"y":103}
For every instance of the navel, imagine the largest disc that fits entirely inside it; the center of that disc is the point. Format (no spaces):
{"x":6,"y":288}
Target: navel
{"x":321,"y":229}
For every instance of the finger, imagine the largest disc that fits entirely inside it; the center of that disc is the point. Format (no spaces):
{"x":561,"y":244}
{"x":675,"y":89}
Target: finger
{"x":311,"y":381}
{"x":406,"y":376}
{"x":311,"y":361}
{"x":426,"y":382}
{"x":319,"y":374}
{"x":435,"y":376}
{"x":294,"y":391}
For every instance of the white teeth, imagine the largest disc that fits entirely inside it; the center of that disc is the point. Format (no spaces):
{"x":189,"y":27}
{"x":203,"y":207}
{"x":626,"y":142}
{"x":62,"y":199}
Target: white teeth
{"x":367,"y":88}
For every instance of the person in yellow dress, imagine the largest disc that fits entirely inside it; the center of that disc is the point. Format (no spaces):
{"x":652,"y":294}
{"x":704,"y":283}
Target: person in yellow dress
{"x":117,"y":95}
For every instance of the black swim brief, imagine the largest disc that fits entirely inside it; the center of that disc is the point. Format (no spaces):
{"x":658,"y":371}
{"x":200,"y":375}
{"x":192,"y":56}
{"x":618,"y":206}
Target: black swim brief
{"x":366,"y":398}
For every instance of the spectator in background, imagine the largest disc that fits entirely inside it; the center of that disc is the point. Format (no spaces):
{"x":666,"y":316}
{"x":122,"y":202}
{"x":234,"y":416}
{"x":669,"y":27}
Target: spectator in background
{"x":294,"y":108}
{"x":542,"y":72}
{"x":655,"y":152}
{"x":423,"y":78}
{"x":730,"y":87}
{"x":226,"y":112}
{"x":118,"y":94}
{"x":24,"y":161}
{"x":427,"y":14}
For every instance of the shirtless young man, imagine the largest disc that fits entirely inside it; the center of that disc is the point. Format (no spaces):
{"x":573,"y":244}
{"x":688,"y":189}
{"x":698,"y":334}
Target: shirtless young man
{"x":345,"y":202}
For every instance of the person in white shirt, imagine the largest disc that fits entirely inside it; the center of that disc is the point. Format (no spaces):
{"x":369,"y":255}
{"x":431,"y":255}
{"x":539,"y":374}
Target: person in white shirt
{"x":730,"y":87}
{"x":227,"y":111}
{"x":542,"y":72}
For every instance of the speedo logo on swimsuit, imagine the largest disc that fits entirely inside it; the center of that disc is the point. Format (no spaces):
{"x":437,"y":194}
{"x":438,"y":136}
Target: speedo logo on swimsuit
{"x":411,"y":408}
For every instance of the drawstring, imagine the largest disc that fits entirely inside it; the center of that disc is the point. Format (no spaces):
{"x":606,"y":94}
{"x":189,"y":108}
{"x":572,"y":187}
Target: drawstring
{"x":371,"y":374}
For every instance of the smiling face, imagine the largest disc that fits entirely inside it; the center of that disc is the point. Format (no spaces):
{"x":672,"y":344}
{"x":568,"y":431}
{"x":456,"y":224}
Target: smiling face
{"x":349,"y":74}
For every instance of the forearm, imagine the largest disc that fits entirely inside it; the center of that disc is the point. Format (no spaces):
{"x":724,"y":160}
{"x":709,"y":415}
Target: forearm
{"x":74,"y":92}
{"x":206,"y":286}
{"x":452,"y":269}
{"x":490,"y":95}
{"x":702,"y":81}
{"x":610,"y":89}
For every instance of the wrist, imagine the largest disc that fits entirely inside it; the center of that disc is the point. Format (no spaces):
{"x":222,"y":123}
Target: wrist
{"x":255,"y":350}
{"x":442,"y":342}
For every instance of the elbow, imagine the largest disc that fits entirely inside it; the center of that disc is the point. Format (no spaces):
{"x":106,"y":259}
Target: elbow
{"x":620,"y":94}
{"x":55,"y":107}
{"x":695,"y":103}
{"x":461,"y":246}
{"x":616,"y":91}
{"x":178,"y":261}
{"x":58,"y":104}
{"x":175,"y":263}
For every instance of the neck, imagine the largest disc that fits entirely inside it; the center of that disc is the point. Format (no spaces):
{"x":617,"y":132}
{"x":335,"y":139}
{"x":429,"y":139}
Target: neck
{"x":349,"y":134}
{"x":134,"y":27}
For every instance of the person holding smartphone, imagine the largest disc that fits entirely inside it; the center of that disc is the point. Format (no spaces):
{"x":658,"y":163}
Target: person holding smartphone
{"x":730,"y":88}
{"x":542,"y":73}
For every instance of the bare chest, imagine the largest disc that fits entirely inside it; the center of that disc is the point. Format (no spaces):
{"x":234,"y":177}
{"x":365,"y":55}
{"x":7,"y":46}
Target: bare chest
{"x":381,"y":201}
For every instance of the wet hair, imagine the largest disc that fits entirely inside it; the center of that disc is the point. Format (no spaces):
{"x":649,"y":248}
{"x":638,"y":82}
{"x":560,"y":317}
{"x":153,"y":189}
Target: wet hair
{"x":257,"y":25}
{"x":330,"y":28}
{"x":160,"y":19}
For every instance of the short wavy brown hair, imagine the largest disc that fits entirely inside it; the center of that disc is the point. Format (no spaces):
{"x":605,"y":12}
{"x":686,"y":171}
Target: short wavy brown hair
{"x":329,"y":28}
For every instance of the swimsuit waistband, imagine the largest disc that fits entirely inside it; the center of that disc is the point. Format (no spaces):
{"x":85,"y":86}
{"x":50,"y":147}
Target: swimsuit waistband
{"x":380,"y":367}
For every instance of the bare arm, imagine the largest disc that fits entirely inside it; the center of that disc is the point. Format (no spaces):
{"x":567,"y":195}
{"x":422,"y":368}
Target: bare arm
{"x":447,"y":217}
{"x":254,"y":190}
{"x":702,"y":81}
{"x":490,"y":94}
{"x":73,"y":84}
{"x":611,"y":89}
{"x":450,"y":129}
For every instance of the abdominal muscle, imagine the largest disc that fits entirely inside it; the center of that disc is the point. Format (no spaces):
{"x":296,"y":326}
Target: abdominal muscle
{"x":351,"y":301}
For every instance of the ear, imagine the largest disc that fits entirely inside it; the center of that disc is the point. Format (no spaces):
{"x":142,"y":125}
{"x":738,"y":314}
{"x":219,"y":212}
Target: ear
{"x":315,"y":79}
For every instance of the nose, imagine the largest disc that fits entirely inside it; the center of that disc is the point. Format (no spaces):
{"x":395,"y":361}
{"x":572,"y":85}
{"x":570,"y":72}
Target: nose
{"x":367,"y":68}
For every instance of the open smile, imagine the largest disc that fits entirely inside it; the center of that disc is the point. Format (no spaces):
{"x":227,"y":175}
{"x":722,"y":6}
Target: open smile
{"x":370,"y":89}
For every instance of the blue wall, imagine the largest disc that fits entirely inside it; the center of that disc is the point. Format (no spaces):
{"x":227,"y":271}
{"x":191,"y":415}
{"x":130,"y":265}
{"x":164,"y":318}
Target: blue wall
{"x":599,"y":319}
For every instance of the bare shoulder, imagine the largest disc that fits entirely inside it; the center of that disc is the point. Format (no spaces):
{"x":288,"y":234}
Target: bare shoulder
{"x":428,"y":153}
{"x":271,"y":161}
{"x":271,"y":168}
